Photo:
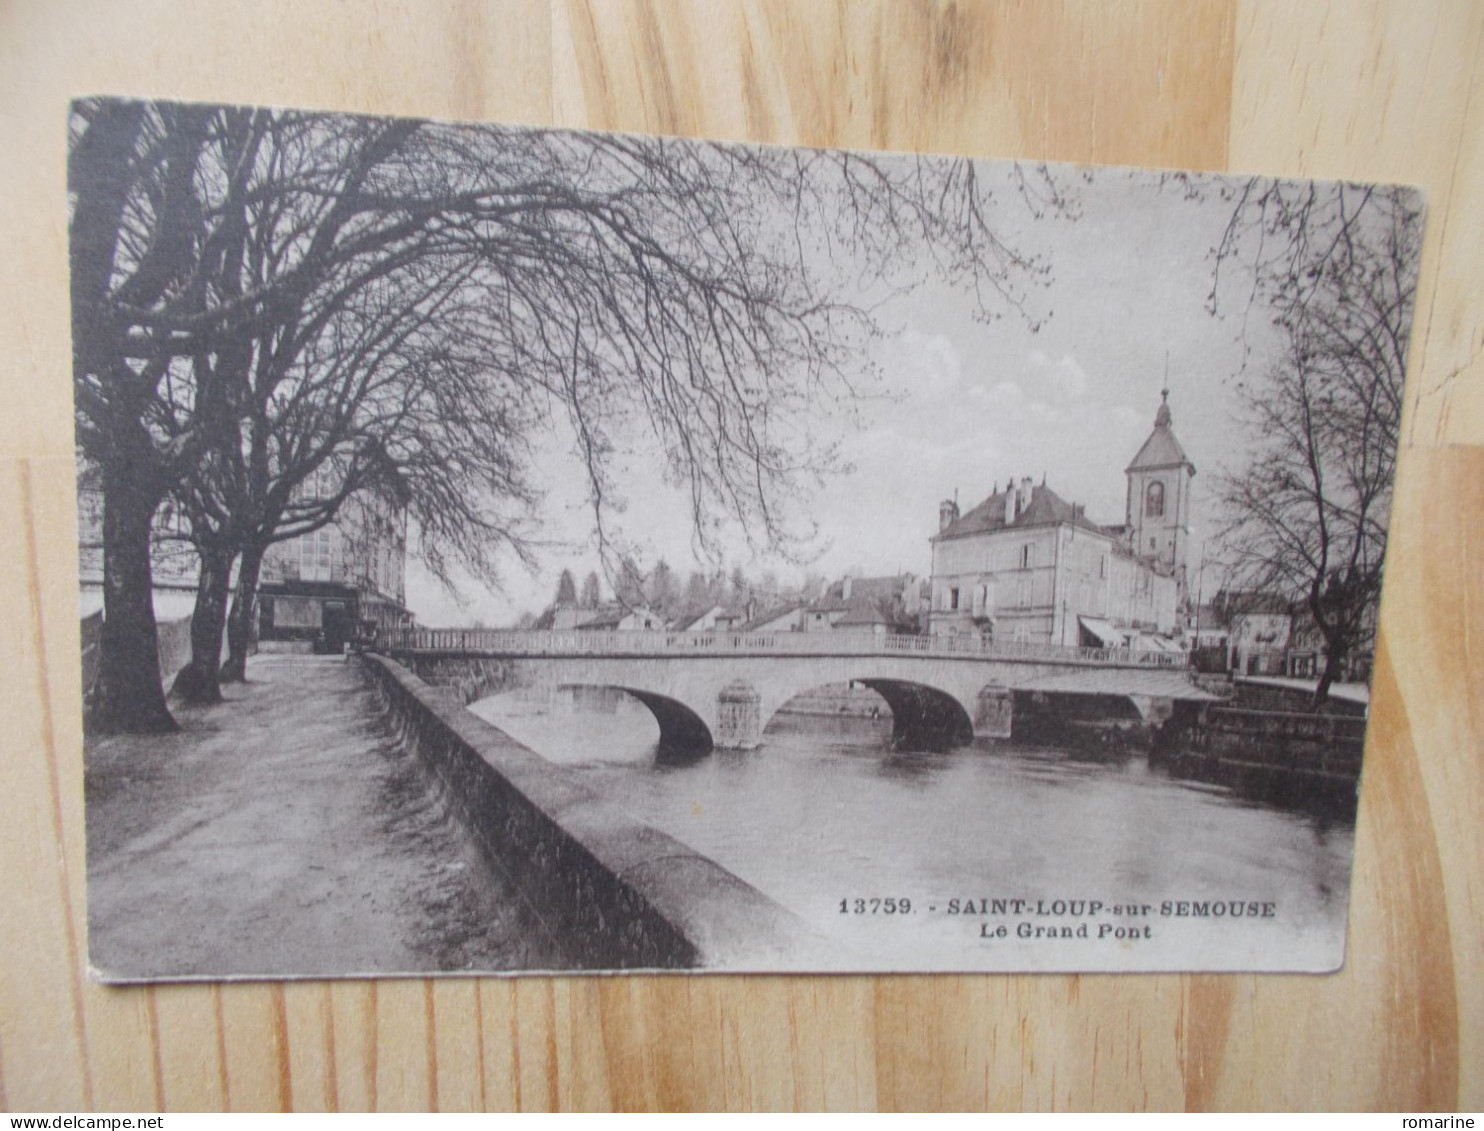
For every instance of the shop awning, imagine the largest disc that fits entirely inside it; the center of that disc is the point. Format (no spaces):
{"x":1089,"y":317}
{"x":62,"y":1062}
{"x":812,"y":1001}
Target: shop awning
{"x":1101,"y":631}
{"x":1160,"y":643}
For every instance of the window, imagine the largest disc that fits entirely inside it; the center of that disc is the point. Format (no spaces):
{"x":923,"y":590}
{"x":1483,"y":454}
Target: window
{"x":296,"y":612}
{"x":1023,"y":592}
{"x":953,"y":599}
{"x":1154,"y":501}
{"x":1103,"y":566}
{"x":1026,"y":556}
{"x":315,"y":554}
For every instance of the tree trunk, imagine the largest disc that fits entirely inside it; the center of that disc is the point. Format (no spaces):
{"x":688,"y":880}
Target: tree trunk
{"x":244,"y":608}
{"x":200,"y":680}
{"x":129,"y":696}
{"x":1334,"y":663}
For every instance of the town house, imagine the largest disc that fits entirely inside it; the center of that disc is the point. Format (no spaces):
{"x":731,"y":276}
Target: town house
{"x":1026,"y":565}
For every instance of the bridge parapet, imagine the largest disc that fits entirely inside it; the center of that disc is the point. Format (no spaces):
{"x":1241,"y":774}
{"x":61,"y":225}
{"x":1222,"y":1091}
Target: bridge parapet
{"x":496,"y":642}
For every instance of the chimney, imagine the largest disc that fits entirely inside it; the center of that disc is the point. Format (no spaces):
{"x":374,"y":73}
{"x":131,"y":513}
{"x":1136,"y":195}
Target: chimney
{"x":1023,"y":497}
{"x":1010,"y":511}
{"x":947,"y":513}
{"x":845,"y":589}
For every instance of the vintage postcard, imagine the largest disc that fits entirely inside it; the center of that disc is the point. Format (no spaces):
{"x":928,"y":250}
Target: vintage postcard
{"x":512,"y":550}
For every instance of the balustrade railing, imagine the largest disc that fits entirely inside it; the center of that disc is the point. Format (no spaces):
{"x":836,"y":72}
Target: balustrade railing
{"x":499,"y":642}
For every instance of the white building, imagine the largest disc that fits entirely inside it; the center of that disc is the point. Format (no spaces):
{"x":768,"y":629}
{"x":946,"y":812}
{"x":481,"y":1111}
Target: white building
{"x":1026,"y":565}
{"x":320,"y":586}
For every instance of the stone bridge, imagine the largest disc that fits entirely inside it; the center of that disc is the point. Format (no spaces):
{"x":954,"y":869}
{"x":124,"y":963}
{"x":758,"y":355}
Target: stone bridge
{"x":721,"y":689}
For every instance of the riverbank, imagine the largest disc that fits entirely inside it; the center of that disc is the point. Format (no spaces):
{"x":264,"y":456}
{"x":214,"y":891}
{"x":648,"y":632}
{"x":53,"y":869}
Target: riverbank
{"x":285,"y":832}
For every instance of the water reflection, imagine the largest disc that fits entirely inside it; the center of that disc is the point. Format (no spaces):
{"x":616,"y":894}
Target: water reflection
{"x":825,"y":810}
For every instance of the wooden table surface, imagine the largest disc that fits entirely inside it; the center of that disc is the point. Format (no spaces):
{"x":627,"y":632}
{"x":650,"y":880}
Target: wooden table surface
{"x":1362,"y":90}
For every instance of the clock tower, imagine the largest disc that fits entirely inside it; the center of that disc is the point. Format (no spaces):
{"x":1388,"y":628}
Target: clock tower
{"x":1157,"y":512}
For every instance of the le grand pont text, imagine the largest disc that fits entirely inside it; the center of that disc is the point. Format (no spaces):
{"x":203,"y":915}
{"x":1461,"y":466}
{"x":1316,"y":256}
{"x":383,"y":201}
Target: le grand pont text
{"x":1096,"y":919}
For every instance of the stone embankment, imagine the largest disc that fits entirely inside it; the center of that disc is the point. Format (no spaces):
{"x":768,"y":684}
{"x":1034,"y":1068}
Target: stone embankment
{"x":1265,"y":742}
{"x":617,"y":893}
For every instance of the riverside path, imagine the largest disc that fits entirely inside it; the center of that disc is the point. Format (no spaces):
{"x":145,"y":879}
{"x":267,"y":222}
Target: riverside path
{"x":286,"y":832}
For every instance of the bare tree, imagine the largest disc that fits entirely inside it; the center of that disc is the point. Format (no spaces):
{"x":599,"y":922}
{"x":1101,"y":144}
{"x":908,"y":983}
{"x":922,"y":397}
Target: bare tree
{"x":259,"y":296}
{"x":592,"y":591}
{"x":330,"y":364}
{"x":1307,"y":517}
{"x":662,"y":590}
{"x":141,"y":244}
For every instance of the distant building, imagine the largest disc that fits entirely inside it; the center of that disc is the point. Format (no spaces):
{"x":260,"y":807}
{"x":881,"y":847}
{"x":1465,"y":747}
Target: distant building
{"x":714,"y":618}
{"x":605,"y":618}
{"x":885,"y":604}
{"x":314,"y":588}
{"x":174,"y":571}
{"x":175,"y":566}
{"x":1308,"y":652}
{"x":783,"y":618}
{"x":1259,"y":632}
{"x":1026,"y":565}
{"x":319,"y":586}
{"x":1210,"y":637}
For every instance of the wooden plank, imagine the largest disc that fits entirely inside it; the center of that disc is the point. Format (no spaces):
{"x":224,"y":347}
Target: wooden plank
{"x":1392,"y":93}
{"x":1375,"y":89}
{"x":1139,"y":83}
{"x":44,"y":1041}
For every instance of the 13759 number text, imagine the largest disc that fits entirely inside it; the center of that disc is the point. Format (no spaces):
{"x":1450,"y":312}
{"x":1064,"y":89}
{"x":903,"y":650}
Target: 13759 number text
{"x":877,"y":906}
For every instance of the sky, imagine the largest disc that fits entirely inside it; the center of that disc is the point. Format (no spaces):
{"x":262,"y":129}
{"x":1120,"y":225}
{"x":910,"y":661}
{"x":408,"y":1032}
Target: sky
{"x":968,"y":404}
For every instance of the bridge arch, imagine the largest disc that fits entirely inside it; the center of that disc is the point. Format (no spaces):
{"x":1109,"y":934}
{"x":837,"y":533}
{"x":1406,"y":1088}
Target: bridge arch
{"x":924,"y":717}
{"x":682,"y":731}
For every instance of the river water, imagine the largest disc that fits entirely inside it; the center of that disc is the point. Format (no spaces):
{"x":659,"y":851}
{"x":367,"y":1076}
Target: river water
{"x":1006,"y":856}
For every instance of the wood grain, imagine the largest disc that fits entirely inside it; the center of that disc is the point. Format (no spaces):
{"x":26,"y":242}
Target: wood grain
{"x":1388,"y":90}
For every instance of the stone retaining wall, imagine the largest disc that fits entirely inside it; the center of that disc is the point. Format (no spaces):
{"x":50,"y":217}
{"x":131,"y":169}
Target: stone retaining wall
{"x":1266,"y":697}
{"x":1296,"y":759}
{"x":618,"y":894}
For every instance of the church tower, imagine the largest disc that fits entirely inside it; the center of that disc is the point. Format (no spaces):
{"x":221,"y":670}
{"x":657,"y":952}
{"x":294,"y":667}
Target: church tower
{"x":1157,"y":514}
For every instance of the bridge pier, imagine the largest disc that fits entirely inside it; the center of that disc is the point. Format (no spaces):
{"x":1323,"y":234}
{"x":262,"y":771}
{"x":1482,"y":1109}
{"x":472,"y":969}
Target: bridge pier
{"x":994,"y":709}
{"x":739,"y":721}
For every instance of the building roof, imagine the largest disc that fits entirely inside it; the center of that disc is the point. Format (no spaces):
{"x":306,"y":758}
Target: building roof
{"x":1161,"y":449}
{"x":863,"y":590}
{"x":606,"y":619}
{"x":1258,"y":604}
{"x":1046,"y":508}
{"x":1210,"y":617}
{"x":684,"y":621}
{"x":863,"y":614}
{"x":608,"y":615}
{"x":772,"y":615}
